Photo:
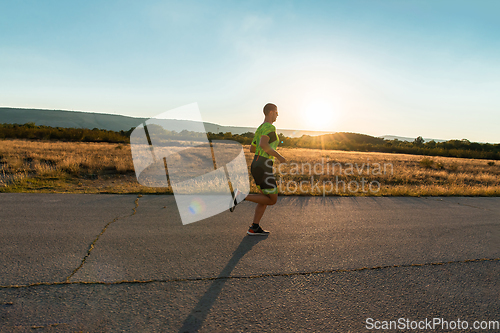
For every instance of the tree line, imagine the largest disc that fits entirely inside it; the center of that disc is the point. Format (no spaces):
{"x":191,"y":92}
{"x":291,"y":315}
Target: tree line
{"x":336,"y":141}
{"x":359,"y":142}
{"x":31,"y":131}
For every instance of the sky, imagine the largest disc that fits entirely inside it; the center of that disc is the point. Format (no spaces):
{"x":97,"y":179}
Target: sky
{"x":407,"y":68}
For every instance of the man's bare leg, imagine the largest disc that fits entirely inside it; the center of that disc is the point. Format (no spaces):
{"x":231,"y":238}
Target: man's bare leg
{"x":259,"y":212}
{"x":262,"y":201}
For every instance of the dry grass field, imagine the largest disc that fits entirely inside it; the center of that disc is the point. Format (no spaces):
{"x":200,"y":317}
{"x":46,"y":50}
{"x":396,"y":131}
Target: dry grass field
{"x":37,"y":166}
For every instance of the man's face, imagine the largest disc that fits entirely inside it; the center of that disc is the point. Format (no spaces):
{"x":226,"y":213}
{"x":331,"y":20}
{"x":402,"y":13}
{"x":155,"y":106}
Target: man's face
{"x":275,"y":115}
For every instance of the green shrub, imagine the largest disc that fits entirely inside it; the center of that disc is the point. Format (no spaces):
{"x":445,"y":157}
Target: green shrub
{"x":427,"y":163}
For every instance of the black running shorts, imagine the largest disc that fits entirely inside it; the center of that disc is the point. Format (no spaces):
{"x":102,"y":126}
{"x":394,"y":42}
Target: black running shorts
{"x":262,"y":172}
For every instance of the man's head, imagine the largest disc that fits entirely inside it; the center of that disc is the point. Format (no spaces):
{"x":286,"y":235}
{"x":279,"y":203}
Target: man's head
{"x":269,"y":107}
{"x":271,"y":112}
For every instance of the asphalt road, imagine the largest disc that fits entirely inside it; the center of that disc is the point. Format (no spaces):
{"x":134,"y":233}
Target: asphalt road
{"x":112,"y":263}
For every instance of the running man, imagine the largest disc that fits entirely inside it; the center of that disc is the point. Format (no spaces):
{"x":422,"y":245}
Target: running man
{"x":264,"y":146}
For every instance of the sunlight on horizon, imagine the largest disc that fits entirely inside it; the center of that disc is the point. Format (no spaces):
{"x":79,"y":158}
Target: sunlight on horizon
{"x":320,"y":114}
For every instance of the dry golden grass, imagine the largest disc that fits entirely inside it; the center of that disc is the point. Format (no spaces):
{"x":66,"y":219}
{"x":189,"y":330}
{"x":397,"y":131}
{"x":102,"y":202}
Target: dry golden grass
{"x":37,"y":166}
{"x":397,"y":174}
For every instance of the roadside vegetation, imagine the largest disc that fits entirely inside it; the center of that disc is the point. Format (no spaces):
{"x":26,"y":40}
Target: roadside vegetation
{"x":336,"y":141}
{"x":104,"y":167}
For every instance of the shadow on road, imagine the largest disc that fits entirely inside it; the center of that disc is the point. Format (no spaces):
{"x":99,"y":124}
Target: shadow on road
{"x":197,"y":316}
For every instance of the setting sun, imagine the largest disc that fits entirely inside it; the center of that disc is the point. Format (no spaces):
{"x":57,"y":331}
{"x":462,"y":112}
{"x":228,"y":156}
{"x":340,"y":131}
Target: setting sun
{"x":319,"y":115}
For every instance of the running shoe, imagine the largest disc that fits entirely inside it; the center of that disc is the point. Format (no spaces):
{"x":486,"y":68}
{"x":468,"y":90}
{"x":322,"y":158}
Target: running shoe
{"x":234,"y":202}
{"x":257,"y":231}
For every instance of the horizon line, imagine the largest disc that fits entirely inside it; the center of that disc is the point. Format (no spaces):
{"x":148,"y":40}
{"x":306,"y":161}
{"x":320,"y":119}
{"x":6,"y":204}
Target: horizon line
{"x":284,"y":129}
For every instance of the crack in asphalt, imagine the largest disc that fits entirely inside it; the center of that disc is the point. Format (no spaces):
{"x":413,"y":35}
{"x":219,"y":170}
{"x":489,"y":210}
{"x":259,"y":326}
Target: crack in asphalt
{"x":258,"y":276}
{"x":92,"y":245}
{"x":462,"y":204}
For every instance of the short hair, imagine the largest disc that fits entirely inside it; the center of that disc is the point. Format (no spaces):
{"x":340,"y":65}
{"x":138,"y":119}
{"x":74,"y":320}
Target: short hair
{"x":269,"y":107}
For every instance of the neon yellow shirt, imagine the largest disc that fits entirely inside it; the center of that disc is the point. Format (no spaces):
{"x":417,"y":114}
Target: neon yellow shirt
{"x":269,"y":130}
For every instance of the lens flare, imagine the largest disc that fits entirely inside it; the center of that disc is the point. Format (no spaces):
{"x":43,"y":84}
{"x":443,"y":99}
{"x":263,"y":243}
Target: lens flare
{"x":197,"y":206}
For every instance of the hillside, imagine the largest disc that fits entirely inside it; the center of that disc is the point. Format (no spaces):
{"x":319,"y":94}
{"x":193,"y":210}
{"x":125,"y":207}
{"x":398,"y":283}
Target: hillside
{"x":68,"y":119}
{"x":404,"y":138}
{"x":111,"y":122}
{"x":353,"y":137}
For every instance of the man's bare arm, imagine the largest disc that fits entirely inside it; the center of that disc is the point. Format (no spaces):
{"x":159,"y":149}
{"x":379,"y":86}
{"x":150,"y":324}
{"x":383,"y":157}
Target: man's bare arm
{"x":252,"y":149}
{"x":264,"y":144}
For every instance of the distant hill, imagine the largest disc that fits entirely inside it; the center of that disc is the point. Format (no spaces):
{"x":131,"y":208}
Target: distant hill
{"x":402,"y":138}
{"x":68,"y":119}
{"x":354,"y":137}
{"x":78,"y":119}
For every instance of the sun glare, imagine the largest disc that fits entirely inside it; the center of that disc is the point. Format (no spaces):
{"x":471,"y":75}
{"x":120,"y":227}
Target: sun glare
{"x":319,"y":115}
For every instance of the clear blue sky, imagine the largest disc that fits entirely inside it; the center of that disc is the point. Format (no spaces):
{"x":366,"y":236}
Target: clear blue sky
{"x":408,"y":68}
